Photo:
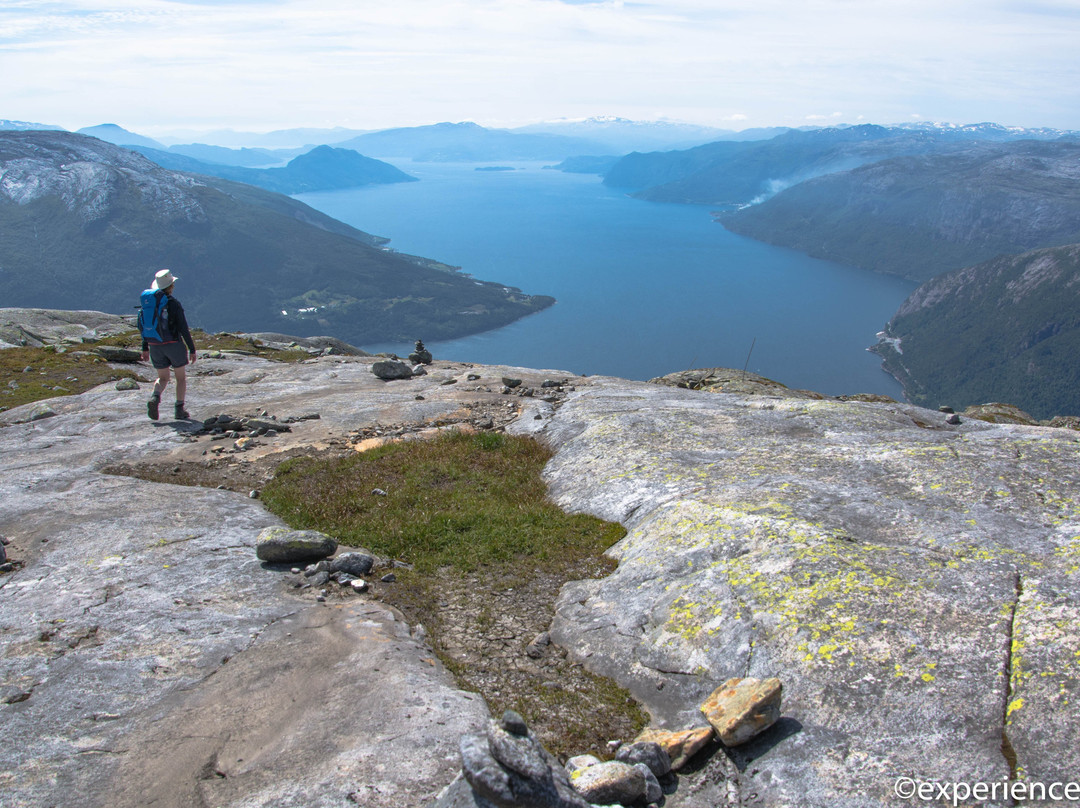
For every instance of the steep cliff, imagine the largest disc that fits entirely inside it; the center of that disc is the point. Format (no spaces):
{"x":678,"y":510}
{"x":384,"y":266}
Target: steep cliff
{"x":1005,"y":330}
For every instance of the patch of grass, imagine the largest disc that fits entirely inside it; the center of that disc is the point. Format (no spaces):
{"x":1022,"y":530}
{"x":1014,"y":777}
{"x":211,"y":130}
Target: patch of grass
{"x":33,"y":374}
{"x":459,"y":501}
{"x":72,"y":369}
{"x":489,"y":554}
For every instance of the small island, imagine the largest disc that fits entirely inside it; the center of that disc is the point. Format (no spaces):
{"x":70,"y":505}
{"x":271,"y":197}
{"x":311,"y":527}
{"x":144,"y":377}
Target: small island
{"x":496,"y":168}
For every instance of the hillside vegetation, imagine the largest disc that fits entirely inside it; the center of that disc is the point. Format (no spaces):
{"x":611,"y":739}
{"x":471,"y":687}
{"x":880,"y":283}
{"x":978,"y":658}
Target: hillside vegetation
{"x":84,"y":224}
{"x":1005,"y":330}
{"x":919,"y":216}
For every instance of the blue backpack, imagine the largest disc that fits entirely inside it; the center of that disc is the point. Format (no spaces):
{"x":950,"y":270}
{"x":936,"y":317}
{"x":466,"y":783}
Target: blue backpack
{"x":154,"y":316}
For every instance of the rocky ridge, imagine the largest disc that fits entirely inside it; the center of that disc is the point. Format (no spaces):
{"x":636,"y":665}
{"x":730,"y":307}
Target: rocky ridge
{"x":906,"y":578}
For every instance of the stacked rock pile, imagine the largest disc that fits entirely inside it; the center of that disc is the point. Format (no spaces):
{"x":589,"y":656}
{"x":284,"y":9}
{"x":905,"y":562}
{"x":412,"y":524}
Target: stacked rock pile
{"x":507,"y":767}
{"x":243,"y":429}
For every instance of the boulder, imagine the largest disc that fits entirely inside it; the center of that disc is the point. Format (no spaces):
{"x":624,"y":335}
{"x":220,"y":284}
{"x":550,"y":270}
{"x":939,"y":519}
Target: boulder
{"x":281,"y":545}
{"x":265,"y":424}
{"x":653,"y":790}
{"x":391,"y":369}
{"x":741,"y":708}
{"x":997,"y":413}
{"x":650,"y":753}
{"x":357,"y":564}
{"x":680,"y":746}
{"x":42,"y":411}
{"x":610,"y":782}
{"x":581,"y":762}
{"x":127,"y":384}
{"x":111,"y":353}
{"x":509,"y":768}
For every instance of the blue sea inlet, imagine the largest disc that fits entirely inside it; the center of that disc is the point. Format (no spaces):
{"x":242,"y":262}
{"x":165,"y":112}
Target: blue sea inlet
{"x":643,"y":288}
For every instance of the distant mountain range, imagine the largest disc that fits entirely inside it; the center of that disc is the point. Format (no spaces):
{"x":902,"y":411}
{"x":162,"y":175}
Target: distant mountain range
{"x":919,"y":216}
{"x":1004,"y":330}
{"x":85,"y":224}
{"x":464,"y":142}
{"x":24,"y":126}
{"x":322,"y":169}
{"x":736,"y":173}
{"x":622,"y":136}
{"x":469,"y":142}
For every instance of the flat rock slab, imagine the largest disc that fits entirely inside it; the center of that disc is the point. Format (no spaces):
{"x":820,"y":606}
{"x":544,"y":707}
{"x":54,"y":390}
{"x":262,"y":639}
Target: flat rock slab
{"x":915,"y":585}
{"x":141,"y":614}
{"x":329,"y":706}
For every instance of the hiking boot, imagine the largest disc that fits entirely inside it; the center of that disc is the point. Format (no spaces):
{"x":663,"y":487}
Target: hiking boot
{"x":180,"y":413}
{"x":152,"y":408}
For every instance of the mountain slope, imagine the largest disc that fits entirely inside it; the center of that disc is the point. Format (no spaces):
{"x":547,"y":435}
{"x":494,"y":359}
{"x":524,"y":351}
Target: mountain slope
{"x":737,"y":172}
{"x":84,"y":224}
{"x":919,"y":216}
{"x":118,"y":135}
{"x":740,"y":173}
{"x":322,"y":169}
{"x":1005,"y":330}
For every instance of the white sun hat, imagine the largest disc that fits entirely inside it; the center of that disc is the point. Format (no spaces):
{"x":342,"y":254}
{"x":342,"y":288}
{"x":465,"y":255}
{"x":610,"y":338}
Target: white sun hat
{"x":163,"y":279}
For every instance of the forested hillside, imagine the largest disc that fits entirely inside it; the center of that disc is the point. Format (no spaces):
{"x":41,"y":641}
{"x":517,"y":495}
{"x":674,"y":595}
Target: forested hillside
{"x":85,"y":224}
{"x":1005,"y":330}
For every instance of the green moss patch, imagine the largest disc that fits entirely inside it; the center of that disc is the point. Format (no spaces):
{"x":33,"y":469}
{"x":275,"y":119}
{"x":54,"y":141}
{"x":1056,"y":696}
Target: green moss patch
{"x":488,"y":553}
{"x":460,"y":501}
{"x":33,"y":374}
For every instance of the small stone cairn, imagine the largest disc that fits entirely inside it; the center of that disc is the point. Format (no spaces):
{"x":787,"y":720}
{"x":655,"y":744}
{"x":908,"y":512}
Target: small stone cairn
{"x":507,"y":767}
{"x":420,"y":354}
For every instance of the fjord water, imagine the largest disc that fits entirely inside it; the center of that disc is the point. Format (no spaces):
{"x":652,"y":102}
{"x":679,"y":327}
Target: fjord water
{"x":643,"y":288}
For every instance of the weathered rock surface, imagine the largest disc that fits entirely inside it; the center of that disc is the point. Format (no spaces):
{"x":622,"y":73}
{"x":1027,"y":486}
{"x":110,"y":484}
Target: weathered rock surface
{"x":391,"y":369}
{"x":680,"y":745}
{"x":998,"y":413}
{"x":509,"y":768}
{"x":610,"y":782}
{"x":280,"y":545}
{"x":37,"y":327}
{"x":148,"y":656}
{"x":915,"y":585}
{"x":352,"y":563}
{"x":742,"y":708}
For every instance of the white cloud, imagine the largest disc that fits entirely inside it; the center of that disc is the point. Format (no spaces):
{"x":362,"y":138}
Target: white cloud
{"x":267,"y":63}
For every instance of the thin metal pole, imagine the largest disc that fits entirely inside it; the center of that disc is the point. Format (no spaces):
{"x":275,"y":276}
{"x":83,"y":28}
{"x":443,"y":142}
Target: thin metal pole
{"x":744,"y":367}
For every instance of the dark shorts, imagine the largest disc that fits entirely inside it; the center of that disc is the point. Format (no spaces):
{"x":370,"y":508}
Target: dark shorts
{"x":169,"y":354}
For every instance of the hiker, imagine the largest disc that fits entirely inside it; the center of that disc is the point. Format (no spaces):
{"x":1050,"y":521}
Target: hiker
{"x":163,"y":326}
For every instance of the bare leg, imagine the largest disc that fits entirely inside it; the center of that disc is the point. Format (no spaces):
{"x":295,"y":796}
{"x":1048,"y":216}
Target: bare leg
{"x":163,"y":381}
{"x":181,"y":382}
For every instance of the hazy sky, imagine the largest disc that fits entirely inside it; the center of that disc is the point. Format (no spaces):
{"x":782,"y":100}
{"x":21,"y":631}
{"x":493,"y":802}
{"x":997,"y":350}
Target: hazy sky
{"x":153,"y":66}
